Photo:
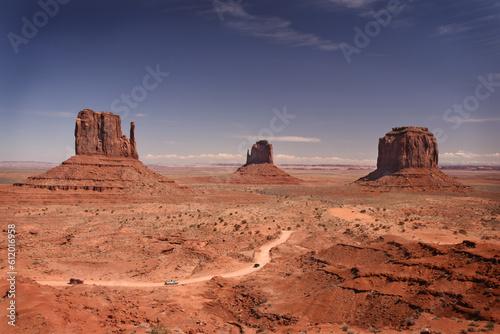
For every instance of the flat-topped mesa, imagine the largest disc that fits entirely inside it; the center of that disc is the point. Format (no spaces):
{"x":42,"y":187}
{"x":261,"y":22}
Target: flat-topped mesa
{"x":100,"y":133}
{"x":262,"y":152}
{"x":407,"y":147}
{"x":408,"y":159}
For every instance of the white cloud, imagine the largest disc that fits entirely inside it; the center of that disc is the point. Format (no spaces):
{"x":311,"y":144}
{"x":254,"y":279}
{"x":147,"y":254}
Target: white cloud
{"x":353,"y":3}
{"x":57,"y":114}
{"x":139,"y":115}
{"x":480,"y":120}
{"x":478,"y":26}
{"x":291,"y":159}
{"x":469,"y":155}
{"x":295,"y":139}
{"x":239,"y":158}
{"x":290,"y":139}
{"x":201,"y":158}
{"x":451,"y":29}
{"x":464,"y":157}
{"x":274,"y":29}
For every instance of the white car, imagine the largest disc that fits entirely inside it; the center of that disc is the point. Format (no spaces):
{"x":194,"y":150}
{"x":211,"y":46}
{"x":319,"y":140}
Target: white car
{"x":171,"y":282}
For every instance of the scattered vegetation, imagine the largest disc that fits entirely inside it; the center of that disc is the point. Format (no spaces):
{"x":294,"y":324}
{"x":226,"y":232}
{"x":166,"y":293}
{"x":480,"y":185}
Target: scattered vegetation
{"x":160,"y":329}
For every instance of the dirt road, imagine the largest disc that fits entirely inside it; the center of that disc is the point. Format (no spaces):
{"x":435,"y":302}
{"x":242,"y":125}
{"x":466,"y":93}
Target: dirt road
{"x":261,"y":256}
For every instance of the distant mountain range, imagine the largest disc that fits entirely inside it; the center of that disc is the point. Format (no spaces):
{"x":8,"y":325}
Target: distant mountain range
{"x":28,"y":164}
{"x":48,"y":165}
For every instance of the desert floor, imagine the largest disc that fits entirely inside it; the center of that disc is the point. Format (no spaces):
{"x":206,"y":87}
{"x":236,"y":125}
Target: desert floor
{"x":354,"y":260}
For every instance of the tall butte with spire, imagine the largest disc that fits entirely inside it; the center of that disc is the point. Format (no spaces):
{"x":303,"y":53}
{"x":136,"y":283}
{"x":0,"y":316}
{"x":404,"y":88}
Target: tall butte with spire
{"x":100,"y":133}
{"x":260,"y":168}
{"x":105,"y":161}
{"x":408,"y":159}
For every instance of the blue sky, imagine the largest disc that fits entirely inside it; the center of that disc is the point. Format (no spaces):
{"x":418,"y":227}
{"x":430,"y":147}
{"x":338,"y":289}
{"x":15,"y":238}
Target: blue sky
{"x":203,"y":79}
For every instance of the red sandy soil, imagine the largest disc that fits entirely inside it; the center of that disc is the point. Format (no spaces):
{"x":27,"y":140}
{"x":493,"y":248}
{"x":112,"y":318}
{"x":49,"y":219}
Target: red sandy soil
{"x":417,"y":179}
{"x":263,"y":173}
{"x":359,"y":260}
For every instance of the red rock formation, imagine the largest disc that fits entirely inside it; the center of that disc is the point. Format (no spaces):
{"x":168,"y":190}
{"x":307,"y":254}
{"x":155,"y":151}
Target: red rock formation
{"x":262,"y":152}
{"x":407,"y":147}
{"x":103,"y":174}
{"x":263,"y":173}
{"x":105,"y":161}
{"x":260,"y":168}
{"x":408,"y":158}
{"x":100,"y":133}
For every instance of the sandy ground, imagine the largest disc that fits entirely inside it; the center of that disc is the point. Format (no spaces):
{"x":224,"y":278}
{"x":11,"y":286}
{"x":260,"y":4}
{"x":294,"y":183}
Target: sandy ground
{"x":261,"y":257}
{"x":358,"y":261}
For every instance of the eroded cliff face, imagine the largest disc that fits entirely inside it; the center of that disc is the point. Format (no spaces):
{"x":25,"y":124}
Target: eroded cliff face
{"x":408,"y":159}
{"x":100,"y":133}
{"x":407,"y":147}
{"x":105,"y":161}
{"x":261,"y":152}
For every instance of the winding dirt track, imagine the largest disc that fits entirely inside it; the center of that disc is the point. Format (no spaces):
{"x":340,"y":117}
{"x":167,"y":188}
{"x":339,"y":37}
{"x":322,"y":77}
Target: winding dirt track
{"x":261,"y":256}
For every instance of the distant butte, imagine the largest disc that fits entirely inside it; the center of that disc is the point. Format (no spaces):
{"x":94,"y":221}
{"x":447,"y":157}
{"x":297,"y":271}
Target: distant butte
{"x":260,"y":168}
{"x":105,"y":161}
{"x":261,"y":153}
{"x":408,"y":158}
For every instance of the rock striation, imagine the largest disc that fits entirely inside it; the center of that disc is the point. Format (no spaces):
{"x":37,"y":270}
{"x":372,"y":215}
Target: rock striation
{"x":408,"y":158}
{"x":100,"y":133}
{"x":105,"y":161}
{"x":261,"y":153}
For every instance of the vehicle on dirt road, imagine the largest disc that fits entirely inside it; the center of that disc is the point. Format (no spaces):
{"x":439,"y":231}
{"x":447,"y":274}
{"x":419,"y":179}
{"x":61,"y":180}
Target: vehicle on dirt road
{"x":75,"y":281}
{"x":171,"y":282}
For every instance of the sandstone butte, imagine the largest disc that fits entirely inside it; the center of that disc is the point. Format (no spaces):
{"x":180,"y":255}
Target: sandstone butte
{"x":261,"y":153}
{"x":260,"y":168}
{"x":408,"y":158}
{"x":105,"y":161}
{"x":100,"y":133}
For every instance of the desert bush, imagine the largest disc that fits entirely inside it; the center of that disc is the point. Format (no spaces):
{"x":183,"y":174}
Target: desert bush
{"x":160,"y":329}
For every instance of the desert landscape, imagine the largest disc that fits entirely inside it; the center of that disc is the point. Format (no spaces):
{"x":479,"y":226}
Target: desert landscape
{"x":256,"y":249}
{"x":250,"y":167}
